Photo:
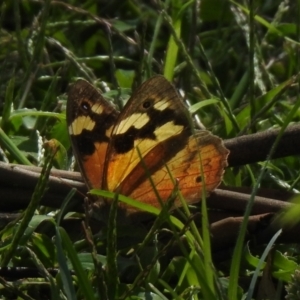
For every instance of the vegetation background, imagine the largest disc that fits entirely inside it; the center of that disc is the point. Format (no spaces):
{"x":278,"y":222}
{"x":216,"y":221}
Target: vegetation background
{"x":237,"y":65}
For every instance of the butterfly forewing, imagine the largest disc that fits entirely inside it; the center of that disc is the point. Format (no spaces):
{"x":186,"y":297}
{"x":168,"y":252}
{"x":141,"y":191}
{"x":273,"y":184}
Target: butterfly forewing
{"x":152,"y":125}
{"x":90,"y":120}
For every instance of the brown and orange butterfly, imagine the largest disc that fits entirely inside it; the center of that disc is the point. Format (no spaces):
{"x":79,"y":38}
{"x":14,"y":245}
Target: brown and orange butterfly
{"x":154,"y":125}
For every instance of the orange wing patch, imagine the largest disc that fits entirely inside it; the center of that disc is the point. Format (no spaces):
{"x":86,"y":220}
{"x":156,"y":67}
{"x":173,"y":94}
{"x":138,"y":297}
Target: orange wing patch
{"x":92,"y":166}
{"x":122,"y":165}
{"x":185,"y":167}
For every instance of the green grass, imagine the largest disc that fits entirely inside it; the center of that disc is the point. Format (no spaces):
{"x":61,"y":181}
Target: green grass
{"x":239,"y":68}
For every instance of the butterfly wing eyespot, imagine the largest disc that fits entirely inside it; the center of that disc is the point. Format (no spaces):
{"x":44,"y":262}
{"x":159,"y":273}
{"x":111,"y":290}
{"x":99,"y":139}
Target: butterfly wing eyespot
{"x":85,"y":107}
{"x":147,"y":104}
{"x":198,"y":179}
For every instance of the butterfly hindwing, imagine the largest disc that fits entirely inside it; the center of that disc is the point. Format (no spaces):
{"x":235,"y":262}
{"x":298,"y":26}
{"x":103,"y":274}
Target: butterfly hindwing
{"x":90,"y":120}
{"x":203,"y":159}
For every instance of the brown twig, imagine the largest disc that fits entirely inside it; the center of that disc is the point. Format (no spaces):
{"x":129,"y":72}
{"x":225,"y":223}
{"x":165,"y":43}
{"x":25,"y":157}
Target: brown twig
{"x":18,"y":182}
{"x":255,"y":147}
{"x":237,"y":202}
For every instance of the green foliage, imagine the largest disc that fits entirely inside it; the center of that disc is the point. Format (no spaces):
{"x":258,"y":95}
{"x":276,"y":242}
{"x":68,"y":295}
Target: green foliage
{"x":238,"y":67}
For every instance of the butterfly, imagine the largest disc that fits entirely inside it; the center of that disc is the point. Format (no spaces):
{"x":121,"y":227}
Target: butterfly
{"x":116,"y":151}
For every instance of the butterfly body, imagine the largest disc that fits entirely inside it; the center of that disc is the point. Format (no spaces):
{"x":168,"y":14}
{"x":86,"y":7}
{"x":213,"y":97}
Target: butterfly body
{"x":152,"y":136}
